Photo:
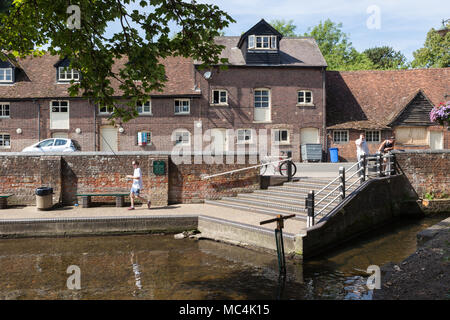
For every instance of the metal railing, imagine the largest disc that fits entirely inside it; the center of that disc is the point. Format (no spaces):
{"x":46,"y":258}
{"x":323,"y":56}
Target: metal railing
{"x":387,"y":161}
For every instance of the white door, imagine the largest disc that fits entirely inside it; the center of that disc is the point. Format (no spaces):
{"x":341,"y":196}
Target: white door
{"x":108,"y":139}
{"x":219,"y":141}
{"x":59,"y":115}
{"x":309,"y":135}
{"x":436,"y":140}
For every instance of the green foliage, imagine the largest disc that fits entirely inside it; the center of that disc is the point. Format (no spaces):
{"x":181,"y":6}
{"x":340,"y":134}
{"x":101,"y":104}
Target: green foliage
{"x":144,"y":39}
{"x":5,"y":5}
{"x":385,"y":58}
{"x":337,"y":48}
{"x":286,"y":28}
{"x":436,"y":50}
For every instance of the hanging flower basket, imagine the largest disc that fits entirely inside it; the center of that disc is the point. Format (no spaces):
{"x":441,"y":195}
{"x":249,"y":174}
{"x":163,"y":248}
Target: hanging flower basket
{"x":441,"y":114}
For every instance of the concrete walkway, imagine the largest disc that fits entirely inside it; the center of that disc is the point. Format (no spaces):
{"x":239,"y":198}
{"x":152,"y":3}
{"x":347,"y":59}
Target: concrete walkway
{"x":229,"y":214}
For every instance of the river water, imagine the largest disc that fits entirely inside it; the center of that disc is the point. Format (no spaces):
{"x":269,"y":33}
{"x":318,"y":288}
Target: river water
{"x":160,"y":267}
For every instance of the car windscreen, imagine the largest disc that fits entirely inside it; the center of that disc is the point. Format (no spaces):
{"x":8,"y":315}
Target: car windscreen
{"x":46,"y":143}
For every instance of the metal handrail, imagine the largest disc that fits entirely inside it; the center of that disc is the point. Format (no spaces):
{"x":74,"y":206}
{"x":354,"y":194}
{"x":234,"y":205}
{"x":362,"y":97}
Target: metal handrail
{"x":242,"y":169}
{"x":326,"y":195}
{"x":327,"y":205}
{"x":357,"y":171}
{"x":327,"y":185}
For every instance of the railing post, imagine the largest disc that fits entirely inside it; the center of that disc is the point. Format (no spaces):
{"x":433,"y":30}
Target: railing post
{"x":364,"y":166}
{"x":309,"y":202}
{"x":379,"y":164}
{"x":289,"y":168}
{"x":342,"y":182}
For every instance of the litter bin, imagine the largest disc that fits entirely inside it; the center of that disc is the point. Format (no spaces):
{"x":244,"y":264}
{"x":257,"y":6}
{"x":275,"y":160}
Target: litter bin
{"x":334,"y":155}
{"x":44,"y":198}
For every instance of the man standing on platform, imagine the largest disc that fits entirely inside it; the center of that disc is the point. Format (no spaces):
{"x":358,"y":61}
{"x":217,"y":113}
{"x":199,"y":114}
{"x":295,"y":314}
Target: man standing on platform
{"x":361,"y":149}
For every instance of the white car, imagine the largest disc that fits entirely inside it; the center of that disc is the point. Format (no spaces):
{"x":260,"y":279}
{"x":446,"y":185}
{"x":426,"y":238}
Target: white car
{"x":54,"y":145}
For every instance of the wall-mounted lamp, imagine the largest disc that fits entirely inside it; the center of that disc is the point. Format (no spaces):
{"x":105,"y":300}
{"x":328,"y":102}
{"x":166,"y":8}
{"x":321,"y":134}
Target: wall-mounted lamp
{"x":19,"y":131}
{"x":121,"y":130}
{"x":78,"y":130}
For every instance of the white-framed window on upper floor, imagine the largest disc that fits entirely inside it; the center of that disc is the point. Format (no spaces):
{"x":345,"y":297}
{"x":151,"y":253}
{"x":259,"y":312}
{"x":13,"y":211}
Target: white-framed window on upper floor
{"x":262,"y":42}
{"x":219,"y":97}
{"x":66,"y":74}
{"x":182,"y":137}
{"x":4,"y":110}
{"x":304,"y":97}
{"x":281,"y":136}
{"x":105,"y":110}
{"x":373,"y":136}
{"x":5,"y":140}
{"x":144,"y":108}
{"x":340,"y":136}
{"x":182,"y":106}
{"x":6,"y":75}
{"x":244,"y":136}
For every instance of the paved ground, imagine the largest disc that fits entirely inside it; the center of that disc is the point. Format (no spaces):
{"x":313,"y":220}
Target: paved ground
{"x":30,"y":212}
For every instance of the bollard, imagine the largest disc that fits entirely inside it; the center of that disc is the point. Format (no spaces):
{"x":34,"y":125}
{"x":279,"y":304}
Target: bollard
{"x":289,"y":168}
{"x":379,"y":164}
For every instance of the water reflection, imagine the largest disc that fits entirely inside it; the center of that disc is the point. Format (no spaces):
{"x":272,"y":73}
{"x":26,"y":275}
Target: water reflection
{"x":159,"y":267}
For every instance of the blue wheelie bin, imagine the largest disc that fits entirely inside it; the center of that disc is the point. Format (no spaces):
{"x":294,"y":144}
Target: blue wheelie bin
{"x":334,"y":155}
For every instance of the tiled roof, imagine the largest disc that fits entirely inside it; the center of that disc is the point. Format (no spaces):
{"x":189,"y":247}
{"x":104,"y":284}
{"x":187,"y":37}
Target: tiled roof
{"x":372,"y":99}
{"x":294,"y":51}
{"x":37,"y":79}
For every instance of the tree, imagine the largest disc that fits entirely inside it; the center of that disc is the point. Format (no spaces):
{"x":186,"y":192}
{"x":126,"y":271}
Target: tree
{"x":5,"y":5}
{"x":286,"y":28}
{"x":386,"y":57}
{"x":336,"y":47}
{"x":436,"y":50}
{"x":143,"y":39}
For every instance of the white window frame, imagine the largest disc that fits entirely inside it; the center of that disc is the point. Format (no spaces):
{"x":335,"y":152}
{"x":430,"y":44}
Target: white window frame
{"x":142,"y":105}
{"x":369,"y":133}
{"x":4,"y":72}
{"x":340,"y":132}
{"x":238,"y":141}
{"x":182,"y":112}
{"x":276,"y":133}
{"x":299,"y":103}
{"x":220,"y":92}
{"x":3,"y":106}
{"x":254,"y":40}
{"x":182,"y":132}
{"x":2,"y":139}
{"x":69,"y":74}
{"x":53,"y":112}
{"x":100,"y":112}
{"x":269,"y":96}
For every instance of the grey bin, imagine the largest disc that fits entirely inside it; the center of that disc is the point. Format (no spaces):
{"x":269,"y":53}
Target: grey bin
{"x":44,"y":198}
{"x":311,"y":152}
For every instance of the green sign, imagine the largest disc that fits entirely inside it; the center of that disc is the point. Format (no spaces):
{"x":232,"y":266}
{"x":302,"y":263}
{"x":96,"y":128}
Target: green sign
{"x":159,"y":167}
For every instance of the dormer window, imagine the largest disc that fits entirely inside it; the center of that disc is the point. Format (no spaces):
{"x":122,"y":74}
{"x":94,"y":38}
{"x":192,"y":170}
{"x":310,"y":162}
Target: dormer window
{"x":66,"y":74}
{"x":6,"y":75}
{"x":262,"y":42}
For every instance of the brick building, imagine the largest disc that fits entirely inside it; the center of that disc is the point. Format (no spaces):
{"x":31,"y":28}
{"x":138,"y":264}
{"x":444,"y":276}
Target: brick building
{"x":386,"y":103}
{"x":273,"y":84}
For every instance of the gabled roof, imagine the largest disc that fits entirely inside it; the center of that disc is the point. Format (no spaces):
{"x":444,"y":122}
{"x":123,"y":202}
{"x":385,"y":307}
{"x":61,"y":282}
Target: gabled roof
{"x":294,"y":51}
{"x":5,"y":58}
{"x":261,"y":24}
{"x":373,"y":99}
{"x":39,"y":79}
{"x":417,"y":95}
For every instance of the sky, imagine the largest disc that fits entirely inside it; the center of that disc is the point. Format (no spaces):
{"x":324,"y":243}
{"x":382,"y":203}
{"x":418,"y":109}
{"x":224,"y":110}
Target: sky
{"x":401,"y":24}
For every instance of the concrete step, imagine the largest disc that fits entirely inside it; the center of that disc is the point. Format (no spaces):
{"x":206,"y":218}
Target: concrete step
{"x":266,"y":211}
{"x":279,"y":198}
{"x":300,"y":207}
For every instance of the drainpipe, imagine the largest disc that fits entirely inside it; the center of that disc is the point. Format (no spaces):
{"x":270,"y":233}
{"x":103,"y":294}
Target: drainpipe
{"x":95,"y":127}
{"x":324,"y":102}
{"x":38,"y":119}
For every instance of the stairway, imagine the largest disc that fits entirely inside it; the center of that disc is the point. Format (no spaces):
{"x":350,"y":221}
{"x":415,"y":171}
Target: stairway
{"x":286,"y":199}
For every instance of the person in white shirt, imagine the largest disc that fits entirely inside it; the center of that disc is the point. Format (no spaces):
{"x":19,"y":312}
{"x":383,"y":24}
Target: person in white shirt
{"x":136,"y":187}
{"x":361,"y":148}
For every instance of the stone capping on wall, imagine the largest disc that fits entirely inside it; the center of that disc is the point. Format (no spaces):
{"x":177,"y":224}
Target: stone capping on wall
{"x":126,"y":153}
{"x":419,"y":151}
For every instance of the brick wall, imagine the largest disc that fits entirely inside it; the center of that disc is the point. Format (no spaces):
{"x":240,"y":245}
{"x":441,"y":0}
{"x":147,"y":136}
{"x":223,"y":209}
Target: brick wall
{"x":84,"y":172}
{"x":187,"y":186}
{"x":427,"y":170}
